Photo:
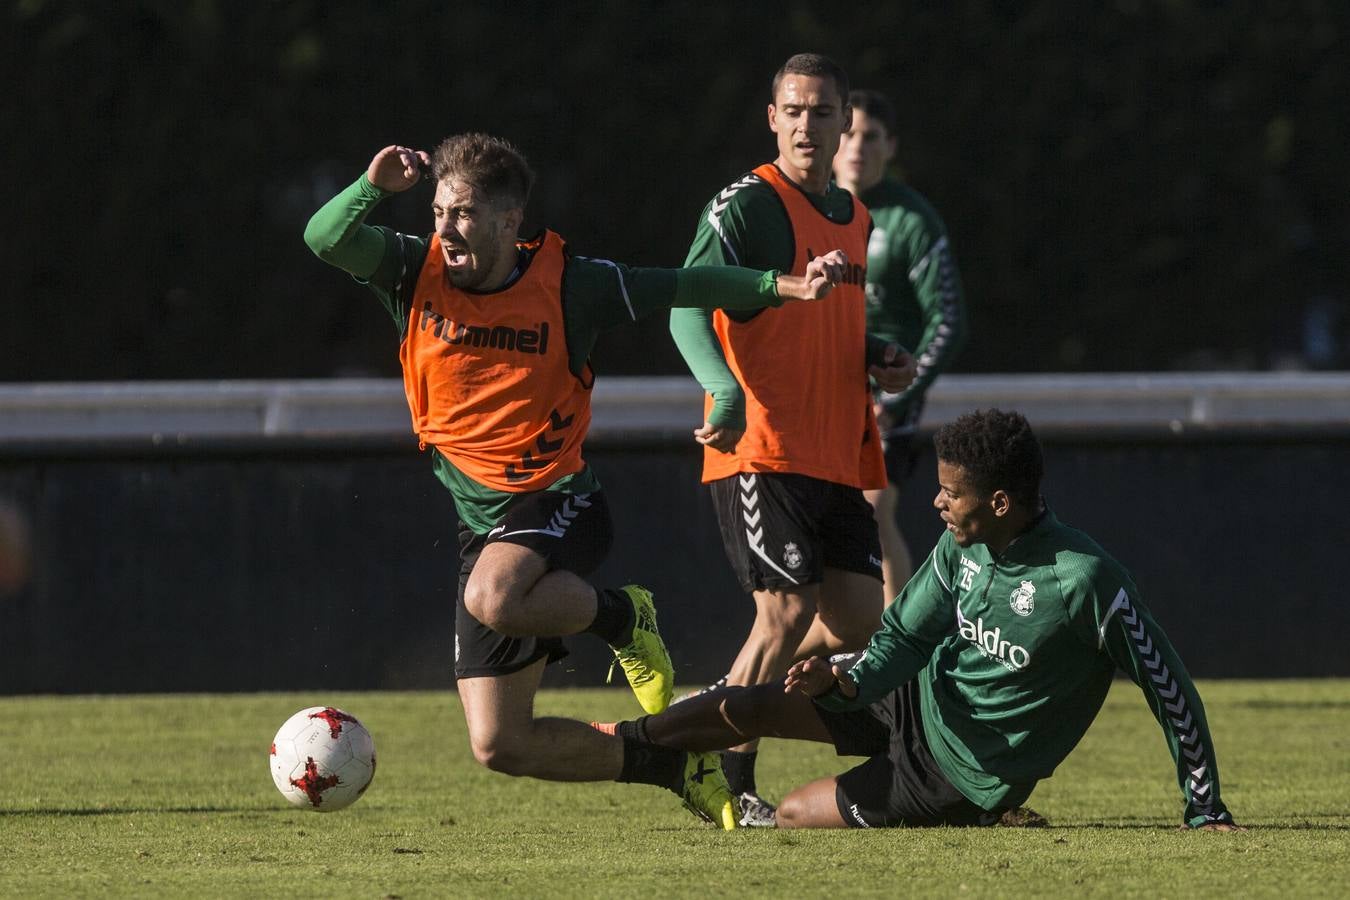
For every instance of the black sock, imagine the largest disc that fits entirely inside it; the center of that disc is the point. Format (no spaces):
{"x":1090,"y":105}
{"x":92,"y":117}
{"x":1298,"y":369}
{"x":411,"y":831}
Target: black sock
{"x":614,"y":617}
{"x":634,"y":729}
{"x":740,"y":771}
{"x":652,"y":764}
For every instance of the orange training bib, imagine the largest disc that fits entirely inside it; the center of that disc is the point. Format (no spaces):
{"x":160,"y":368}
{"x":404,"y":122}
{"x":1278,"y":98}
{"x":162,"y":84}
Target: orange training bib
{"x":802,"y":365}
{"x":487,"y":375}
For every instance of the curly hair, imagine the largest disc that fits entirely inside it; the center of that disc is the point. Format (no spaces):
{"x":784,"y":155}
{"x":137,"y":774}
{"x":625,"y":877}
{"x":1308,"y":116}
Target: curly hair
{"x":492,"y":165}
{"x":998,"y":450}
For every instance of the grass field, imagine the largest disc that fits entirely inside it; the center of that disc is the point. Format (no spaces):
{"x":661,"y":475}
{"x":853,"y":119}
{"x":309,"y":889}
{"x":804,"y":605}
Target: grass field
{"x":171,"y":796}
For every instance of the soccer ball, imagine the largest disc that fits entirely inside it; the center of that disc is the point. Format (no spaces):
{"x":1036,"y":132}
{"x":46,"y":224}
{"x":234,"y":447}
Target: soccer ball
{"x":322,"y":759}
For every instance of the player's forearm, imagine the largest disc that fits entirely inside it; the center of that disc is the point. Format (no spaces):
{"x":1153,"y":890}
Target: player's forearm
{"x":1181,"y":713}
{"x":1142,"y":650}
{"x":337,"y":235}
{"x":694,"y":336}
{"x":726,"y":287}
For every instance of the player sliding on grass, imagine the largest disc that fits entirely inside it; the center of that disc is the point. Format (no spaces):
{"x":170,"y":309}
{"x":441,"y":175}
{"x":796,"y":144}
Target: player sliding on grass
{"x":986,"y":672}
{"x":496,"y":335}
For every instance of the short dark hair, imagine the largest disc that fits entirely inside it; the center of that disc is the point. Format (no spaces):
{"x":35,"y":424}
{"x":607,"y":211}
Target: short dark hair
{"x":492,"y":165}
{"x":815,"y":65}
{"x":997,"y":450}
{"x":875,"y":105}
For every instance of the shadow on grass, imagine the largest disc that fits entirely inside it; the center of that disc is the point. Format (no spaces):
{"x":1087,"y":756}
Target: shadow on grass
{"x":134,"y":810}
{"x":1154,"y":826}
{"x":1263,"y":703}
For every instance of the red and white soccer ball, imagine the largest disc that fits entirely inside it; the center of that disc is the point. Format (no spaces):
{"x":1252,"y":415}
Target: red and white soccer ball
{"x":322,"y":759}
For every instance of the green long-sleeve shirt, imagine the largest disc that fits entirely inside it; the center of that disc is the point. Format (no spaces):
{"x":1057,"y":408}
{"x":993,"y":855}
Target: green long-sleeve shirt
{"x":914,"y":293}
{"x":1015,"y":653}
{"x":597,"y":294}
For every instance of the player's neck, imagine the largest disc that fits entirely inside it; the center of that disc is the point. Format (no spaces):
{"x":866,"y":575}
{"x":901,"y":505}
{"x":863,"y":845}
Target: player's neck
{"x":809,"y":180}
{"x":1014,"y":530}
{"x":503,"y":270}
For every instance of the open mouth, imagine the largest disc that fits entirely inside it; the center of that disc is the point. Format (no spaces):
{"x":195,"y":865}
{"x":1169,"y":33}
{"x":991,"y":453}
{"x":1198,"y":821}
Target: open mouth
{"x":456,"y":257}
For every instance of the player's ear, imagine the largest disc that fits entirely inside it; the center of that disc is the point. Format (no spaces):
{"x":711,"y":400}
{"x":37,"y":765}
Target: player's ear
{"x":1000,"y":503}
{"x":848,"y":117}
{"x":773,"y":118}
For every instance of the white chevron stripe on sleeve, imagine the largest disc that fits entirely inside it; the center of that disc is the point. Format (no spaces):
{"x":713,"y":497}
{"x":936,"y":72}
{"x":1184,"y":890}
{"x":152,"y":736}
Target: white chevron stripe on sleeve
{"x":1121,"y":602}
{"x":719,"y":205}
{"x":1182,"y":723}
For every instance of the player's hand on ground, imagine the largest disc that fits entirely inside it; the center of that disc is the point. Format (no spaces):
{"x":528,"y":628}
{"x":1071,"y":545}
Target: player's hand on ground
{"x":719,"y":437}
{"x":822,"y":274}
{"x":899,"y":370}
{"x":816,"y":676}
{"x":397,"y":168}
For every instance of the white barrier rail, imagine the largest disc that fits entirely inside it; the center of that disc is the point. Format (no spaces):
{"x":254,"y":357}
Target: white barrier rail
{"x":657,"y":408}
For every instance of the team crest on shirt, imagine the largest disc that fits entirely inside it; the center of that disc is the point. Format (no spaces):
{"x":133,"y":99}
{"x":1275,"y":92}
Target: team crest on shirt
{"x":792,"y":557}
{"x":1022,"y":601}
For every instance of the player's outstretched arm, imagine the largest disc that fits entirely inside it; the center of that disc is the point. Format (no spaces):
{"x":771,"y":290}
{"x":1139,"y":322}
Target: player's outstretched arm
{"x":1115,"y":618}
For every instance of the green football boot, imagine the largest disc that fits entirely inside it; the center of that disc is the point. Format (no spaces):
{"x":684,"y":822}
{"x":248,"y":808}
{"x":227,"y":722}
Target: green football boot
{"x":706,"y":793}
{"x":645,"y":662}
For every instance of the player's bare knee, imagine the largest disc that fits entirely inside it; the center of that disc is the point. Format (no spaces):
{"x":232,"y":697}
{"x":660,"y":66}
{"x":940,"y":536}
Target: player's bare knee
{"x":502,"y":756}
{"x":490,"y":602}
{"x":791,"y":812}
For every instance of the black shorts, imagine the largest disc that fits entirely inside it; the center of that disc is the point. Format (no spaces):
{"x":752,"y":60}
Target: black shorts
{"x":781,"y":531}
{"x":572,"y":531}
{"x":901,"y":446}
{"x":900,"y":784}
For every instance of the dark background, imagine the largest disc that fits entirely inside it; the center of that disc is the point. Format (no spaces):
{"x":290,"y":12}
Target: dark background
{"x":1129,"y":186}
{"x":333,"y":568}
{"x":1134,"y":186}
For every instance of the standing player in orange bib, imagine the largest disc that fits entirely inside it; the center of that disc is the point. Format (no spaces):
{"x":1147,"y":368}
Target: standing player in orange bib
{"x":790,"y":439}
{"x":496,"y":335}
